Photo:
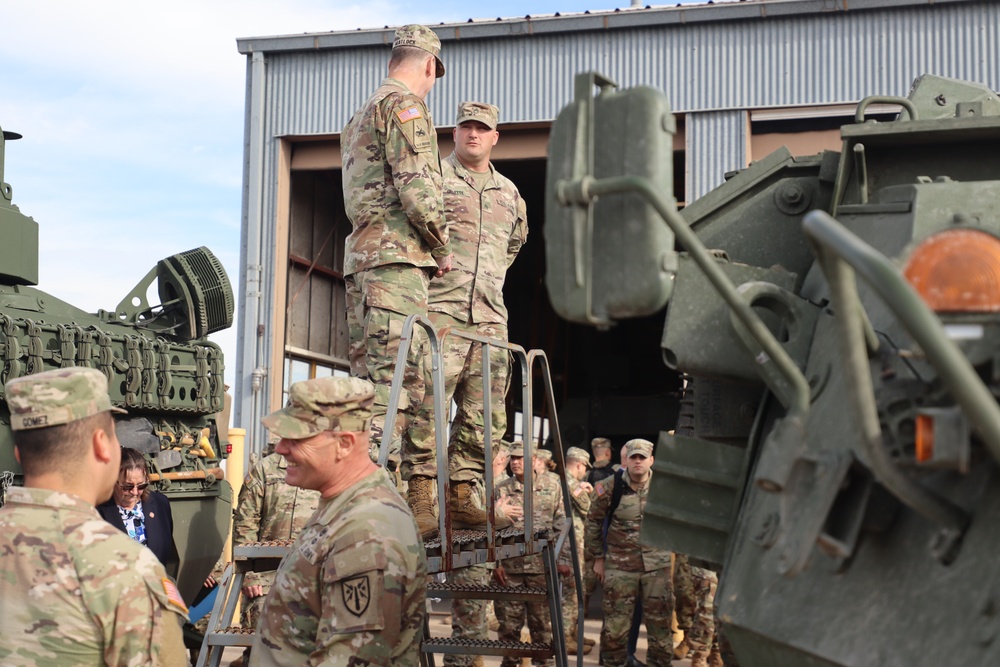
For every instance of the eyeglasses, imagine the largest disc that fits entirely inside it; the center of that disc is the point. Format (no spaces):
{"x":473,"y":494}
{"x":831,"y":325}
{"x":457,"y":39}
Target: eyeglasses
{"x":129,"y":487}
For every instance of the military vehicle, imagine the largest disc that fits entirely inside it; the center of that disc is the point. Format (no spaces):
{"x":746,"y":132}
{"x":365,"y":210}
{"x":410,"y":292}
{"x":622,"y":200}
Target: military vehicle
{"x":836,"y":457}
{"x":160,"y":367}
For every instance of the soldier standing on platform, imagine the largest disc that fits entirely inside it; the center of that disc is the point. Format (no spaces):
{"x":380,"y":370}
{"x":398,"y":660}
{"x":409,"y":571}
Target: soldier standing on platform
{"x":393,"y":197}
{"x":352,"y":589}
{"x":487,"y":223}
{"x":628,"y":569}
{"x":548,"y":515}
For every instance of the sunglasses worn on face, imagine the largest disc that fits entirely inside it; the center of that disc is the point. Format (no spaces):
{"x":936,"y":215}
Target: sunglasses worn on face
{"x":129,"y":487}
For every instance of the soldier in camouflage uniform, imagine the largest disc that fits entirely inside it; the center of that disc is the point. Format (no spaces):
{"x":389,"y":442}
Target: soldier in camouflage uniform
{"x":487,"y":223}
{"x":268,"y":509}
{"x":74,"y":590}
{"x":547,"y":515}
{"x":628,"y":569}
{"x":694,"y":588}
{"x":577,"y":465}
{"x":392,"y":195}
{"x":352,"y":588}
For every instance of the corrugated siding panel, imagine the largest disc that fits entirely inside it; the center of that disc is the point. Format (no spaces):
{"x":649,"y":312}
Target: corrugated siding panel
{"x":816,"y":59}
{"x":716,"y":143}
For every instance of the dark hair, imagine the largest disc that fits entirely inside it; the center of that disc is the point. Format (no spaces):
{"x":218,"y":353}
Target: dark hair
{"x":59,"y":447}
{"x":133,"y":459}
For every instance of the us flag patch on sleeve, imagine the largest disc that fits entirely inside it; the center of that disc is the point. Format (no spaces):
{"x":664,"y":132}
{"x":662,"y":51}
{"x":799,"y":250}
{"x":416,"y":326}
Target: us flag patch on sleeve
{"x":407,"y":115}
{"x":173,"y":595}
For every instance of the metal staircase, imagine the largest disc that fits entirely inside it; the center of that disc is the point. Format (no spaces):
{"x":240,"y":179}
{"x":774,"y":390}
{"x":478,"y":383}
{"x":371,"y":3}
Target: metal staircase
{"x":452,"y":549}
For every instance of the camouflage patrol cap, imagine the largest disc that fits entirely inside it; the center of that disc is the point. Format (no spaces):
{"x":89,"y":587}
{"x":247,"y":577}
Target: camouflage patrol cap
{"x":578,"y":454}
{"x":323,"y":404}
{"x":517,"y":449}
{"x":638,"y":446}
{"x":420,"y":37}
{"x":57,"y":397}
{"x":600,"y":442}
{"x":501,"y":449}
{"x":543,"y":454}
{"x":487,"y":114}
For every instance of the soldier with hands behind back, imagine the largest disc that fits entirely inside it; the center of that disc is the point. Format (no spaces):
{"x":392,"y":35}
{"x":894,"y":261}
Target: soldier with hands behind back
{"x":392,"y":196}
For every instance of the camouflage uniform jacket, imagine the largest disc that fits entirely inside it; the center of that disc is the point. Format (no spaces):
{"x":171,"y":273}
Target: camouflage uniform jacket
{"x":74,"y":590}
{"x":580,"y":502}
{"x":392,"y":183}
{"x":269,"y":509}
{"x":487,"y":231}
{"x":624,"y":551}
{"x":351,"y":590}
{"x":547,"y":514}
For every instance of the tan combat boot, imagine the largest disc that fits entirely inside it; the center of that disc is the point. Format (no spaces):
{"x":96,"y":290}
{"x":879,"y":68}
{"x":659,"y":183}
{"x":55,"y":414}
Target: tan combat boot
{"x":465,"y":514}
{"x":478,"y":661}
{"x":682,"y":649}
{"x":420,"y":497}
{"x":715,"y":659}
{"x":588,"y":641}
{"x":699,"y":658}
{"x":573,"y":649}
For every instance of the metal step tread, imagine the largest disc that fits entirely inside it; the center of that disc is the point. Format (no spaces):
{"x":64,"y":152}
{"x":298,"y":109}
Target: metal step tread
{"x":234,"y":635}
{"x":470,"y":592}
{"x":461,"y":536}
{"x":269,"y":549}
{"x":486,"y":647}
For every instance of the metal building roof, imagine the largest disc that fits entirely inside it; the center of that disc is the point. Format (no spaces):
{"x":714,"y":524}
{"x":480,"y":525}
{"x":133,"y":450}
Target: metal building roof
{"x":648,"y":16}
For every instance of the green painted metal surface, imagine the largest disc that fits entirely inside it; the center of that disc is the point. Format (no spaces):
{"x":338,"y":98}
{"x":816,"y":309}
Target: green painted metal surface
{"x":160,"y":367}
{"x":812,"y":365}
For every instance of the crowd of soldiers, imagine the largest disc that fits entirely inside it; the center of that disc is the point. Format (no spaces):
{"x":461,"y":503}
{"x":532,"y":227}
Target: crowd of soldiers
{"x":430,"y":237}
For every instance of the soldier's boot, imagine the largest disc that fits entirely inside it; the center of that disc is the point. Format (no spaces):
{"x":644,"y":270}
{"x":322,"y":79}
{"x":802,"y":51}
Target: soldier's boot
{"x":699,"y":658}
{"x":572,"y":648}
{"x":682,"y":649}
{"x":715,"y":658}
{"x":478,"y":661}
{"x":465,"y":514}
{"x":420,"y":497}
{"x":588,"y":641}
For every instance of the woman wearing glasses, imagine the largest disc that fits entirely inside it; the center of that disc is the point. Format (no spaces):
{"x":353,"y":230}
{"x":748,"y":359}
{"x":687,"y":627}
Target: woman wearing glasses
{"x":140,"y":512}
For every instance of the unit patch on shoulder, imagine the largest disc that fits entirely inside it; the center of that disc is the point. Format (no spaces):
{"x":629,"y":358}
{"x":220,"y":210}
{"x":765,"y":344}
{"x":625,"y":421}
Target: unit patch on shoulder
{"x":173,"y":595}
{"x":357,"y":594}
{"x":406,"y":115}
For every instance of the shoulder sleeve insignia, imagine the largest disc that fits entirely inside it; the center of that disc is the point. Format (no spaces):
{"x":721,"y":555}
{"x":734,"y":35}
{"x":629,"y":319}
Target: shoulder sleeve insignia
{"x":406,"y":115}
{"x":173,"y":595}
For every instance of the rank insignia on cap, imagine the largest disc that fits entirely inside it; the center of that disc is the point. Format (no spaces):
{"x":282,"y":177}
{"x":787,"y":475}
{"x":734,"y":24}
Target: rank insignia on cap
{"x":407,"y":115}
{"x":173,"y":595}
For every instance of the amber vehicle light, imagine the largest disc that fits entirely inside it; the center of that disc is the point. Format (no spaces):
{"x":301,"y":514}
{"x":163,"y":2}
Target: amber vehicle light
{"x":925,"y":438}
{"x":957,"y":271}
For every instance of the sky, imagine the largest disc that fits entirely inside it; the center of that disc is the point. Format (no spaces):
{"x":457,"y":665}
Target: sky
{"x":132,"y":116}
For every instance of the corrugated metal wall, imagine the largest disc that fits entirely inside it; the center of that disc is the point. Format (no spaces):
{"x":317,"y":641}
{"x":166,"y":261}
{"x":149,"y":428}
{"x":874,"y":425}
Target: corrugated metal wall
{"x":817,"y":59}
{"x":719,"y":66}
{"x":716,"y":142}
